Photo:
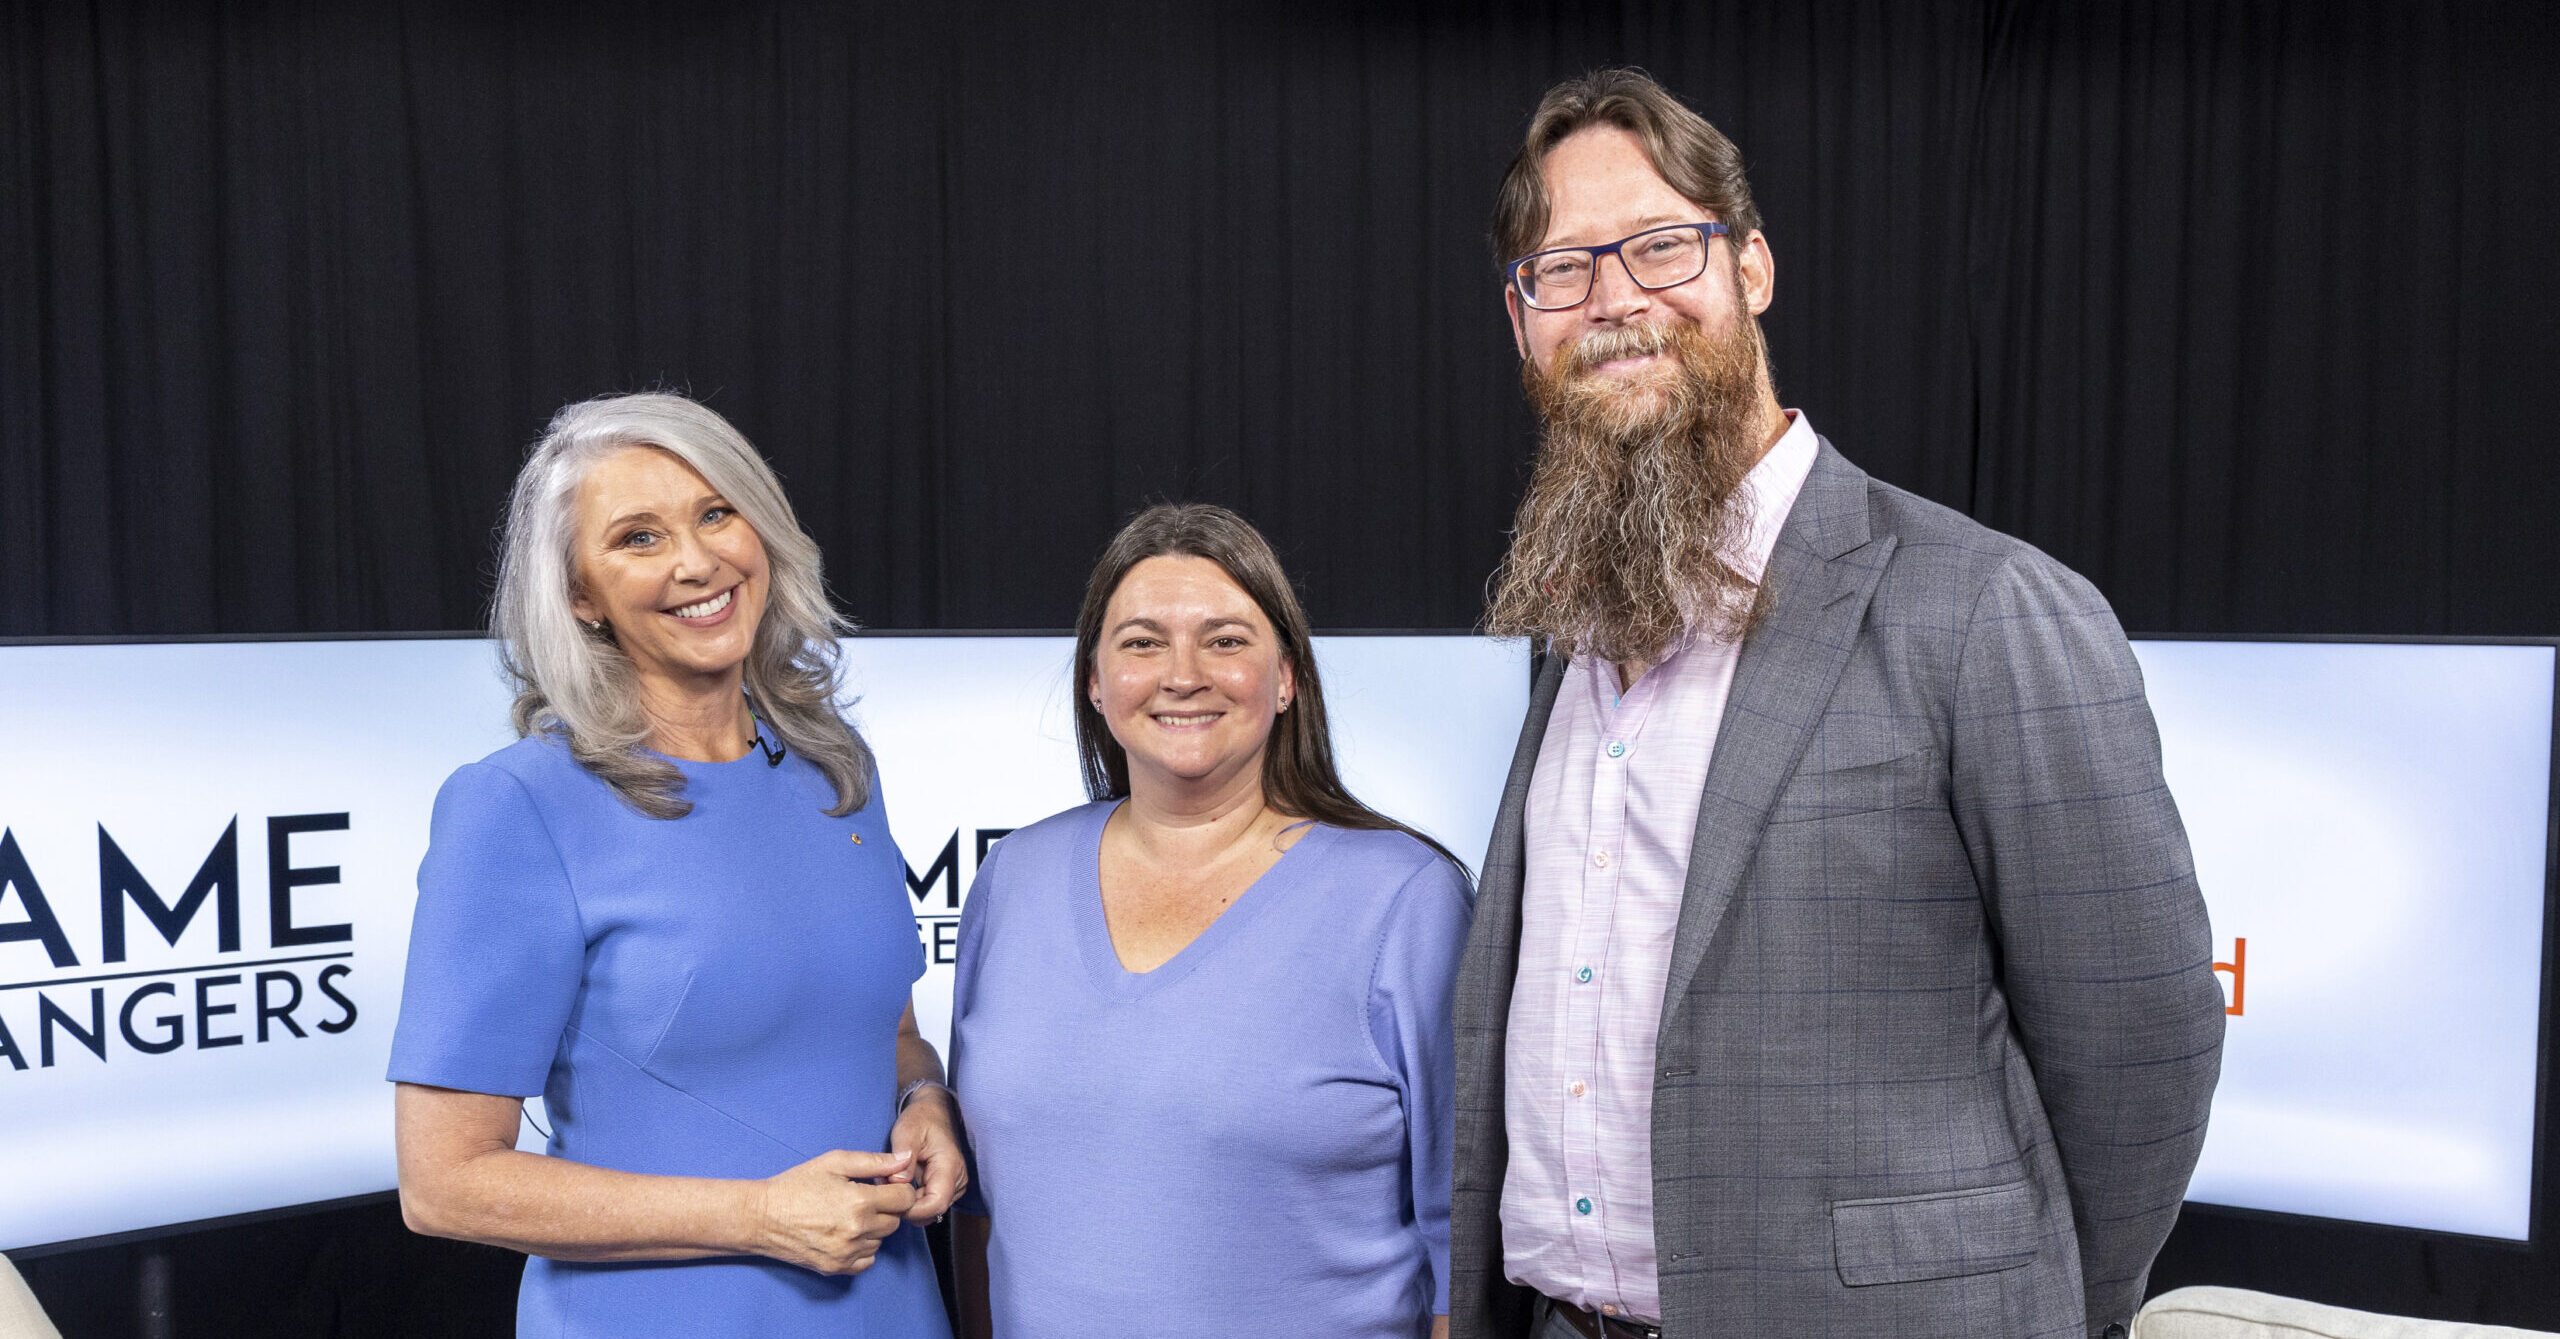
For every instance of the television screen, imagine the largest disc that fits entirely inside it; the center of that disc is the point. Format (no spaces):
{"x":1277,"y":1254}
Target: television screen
{"x":211,"y":852}
{"x":2371,"y":825}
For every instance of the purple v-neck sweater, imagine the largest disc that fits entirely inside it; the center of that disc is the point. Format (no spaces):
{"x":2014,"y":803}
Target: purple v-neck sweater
{"x":1253,"y":1137}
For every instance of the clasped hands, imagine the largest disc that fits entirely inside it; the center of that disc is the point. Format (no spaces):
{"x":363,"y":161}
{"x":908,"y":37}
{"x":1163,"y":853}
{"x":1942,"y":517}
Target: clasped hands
{"x":831,"y":1213}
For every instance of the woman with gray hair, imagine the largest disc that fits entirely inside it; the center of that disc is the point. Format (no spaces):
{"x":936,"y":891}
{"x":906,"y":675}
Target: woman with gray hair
{"x":674,"y":910}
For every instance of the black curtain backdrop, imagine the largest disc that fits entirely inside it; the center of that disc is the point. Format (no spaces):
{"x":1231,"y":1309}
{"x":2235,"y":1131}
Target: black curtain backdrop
{"x":2242,"y":309}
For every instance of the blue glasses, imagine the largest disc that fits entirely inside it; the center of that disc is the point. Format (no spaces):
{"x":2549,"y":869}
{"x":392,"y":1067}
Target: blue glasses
{"x":1655,"y":258}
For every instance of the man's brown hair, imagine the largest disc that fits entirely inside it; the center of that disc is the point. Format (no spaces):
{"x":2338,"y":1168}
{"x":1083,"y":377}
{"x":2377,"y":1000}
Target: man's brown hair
{"x":1693,"y":156}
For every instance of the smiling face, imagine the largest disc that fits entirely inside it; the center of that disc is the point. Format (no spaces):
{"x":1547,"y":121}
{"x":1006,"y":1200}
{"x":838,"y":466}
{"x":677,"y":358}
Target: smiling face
{"x":665,"y":561}
{"x":1601,"y":187}
{"x":1188,"y":675}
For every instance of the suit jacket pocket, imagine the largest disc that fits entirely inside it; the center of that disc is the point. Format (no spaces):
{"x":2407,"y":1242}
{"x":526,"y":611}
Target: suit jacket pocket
{"x":1859,"y":788}
{"x":1907,"y":1238}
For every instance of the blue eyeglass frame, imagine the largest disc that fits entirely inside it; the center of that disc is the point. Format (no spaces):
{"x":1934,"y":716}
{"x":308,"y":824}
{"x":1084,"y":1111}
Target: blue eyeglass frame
{"x":1709,"y":232}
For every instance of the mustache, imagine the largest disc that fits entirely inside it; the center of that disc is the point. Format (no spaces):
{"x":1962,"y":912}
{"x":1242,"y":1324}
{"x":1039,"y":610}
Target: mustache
{"x":1607,"y":346}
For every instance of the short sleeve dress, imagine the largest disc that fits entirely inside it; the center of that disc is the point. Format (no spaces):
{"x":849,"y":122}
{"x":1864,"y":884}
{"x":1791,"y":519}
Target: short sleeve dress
{"x":715,"y":995}
{"x":1254,"y":1138}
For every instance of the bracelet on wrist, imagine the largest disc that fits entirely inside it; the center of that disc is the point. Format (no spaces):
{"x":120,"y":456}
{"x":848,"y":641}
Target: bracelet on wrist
{"x":908,"y":1093}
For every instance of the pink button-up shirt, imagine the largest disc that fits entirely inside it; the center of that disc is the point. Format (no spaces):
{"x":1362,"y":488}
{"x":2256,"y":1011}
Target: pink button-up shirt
{"x":1613,"y":807}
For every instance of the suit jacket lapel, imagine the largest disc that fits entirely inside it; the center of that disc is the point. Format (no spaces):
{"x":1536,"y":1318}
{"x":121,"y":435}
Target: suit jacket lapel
{"x":1821,"y":575}
{"x":1495,"y":942}
{"x":1481,"y":1007}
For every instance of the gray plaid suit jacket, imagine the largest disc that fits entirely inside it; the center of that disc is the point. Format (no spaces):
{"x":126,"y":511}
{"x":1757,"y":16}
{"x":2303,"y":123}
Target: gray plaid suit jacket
{"x":1941,"y":1028}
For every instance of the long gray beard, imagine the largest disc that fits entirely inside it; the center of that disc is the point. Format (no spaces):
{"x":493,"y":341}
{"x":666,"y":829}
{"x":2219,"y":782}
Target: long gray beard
{"x":1623,"y":547}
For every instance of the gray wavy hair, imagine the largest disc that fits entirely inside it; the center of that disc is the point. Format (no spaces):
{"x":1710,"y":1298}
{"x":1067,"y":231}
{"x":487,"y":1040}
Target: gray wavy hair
{"x":576,"y":683}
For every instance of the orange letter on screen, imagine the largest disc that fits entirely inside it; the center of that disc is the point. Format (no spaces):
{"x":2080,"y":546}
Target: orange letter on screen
{"x":2239,"y":969}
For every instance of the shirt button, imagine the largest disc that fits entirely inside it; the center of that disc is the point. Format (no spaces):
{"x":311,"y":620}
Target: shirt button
{"x":1617,"y":748}
{"x":1600,"y":858}
{"x":1575,"y":1088}
{"x":1582,"y":1206}
{"x":1583,"y":975}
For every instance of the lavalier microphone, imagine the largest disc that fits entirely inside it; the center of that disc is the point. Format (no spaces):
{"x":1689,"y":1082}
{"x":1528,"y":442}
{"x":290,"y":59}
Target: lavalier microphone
{"x":774,"y":752}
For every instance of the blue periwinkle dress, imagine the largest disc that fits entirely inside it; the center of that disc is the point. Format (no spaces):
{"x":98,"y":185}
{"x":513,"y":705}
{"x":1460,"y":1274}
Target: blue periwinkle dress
{"x":715,"y":995}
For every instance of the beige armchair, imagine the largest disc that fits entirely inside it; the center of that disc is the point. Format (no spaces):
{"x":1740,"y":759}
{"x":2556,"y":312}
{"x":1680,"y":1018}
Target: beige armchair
{"x":20,"y":1316}
{"x":2235,"y":1313}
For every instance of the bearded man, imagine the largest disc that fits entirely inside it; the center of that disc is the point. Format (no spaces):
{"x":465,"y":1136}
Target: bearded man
{"x":1838,"y":967}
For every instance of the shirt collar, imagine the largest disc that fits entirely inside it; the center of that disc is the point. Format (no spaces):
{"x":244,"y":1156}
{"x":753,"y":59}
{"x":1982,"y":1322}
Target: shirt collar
{"x":1772,"y":487}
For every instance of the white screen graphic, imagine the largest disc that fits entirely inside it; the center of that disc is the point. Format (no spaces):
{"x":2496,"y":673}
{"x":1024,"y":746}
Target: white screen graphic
{"x":2372,"y":821}
{"x":327,"y":757}
{"x":189,"y":1114}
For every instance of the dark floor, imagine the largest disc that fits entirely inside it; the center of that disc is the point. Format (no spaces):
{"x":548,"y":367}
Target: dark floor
{"x":352,"y":1272}
{"x":336,"y":1273}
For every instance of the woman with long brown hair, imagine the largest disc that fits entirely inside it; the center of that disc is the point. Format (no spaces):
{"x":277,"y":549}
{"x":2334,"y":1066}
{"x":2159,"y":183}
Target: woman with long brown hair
{"x":1201,"y":1025}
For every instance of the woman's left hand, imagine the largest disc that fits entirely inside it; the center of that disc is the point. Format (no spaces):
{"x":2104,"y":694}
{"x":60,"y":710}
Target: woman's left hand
{"x":928,"y":1129}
